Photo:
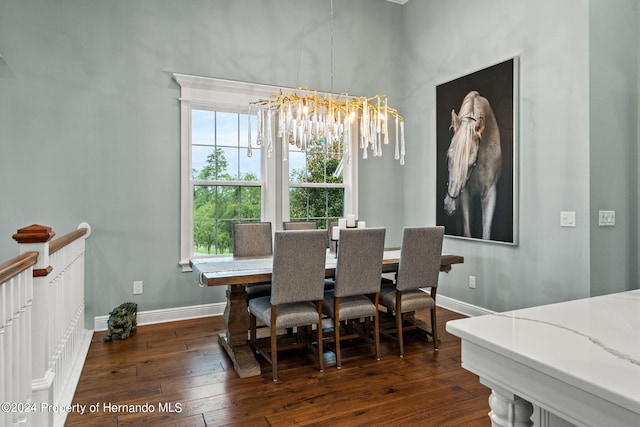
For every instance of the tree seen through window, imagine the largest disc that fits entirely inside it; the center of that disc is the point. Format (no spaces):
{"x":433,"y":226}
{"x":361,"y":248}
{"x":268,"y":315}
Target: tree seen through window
{"x":217,"y":207}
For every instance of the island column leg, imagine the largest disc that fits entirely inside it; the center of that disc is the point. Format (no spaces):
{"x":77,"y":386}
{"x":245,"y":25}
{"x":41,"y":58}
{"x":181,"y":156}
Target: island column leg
{"x":234,"y":340}
{"x":509,"y":410}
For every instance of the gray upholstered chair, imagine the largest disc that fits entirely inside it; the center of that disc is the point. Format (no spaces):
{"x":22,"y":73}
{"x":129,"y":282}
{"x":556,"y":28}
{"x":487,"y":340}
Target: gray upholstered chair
{"x":357,"y":284}
{"x":299,"y":225}
{"x":306,"y":225}
{"x":419,"y":267}
{"x":297,"y":290}
{"x":253,"y":239}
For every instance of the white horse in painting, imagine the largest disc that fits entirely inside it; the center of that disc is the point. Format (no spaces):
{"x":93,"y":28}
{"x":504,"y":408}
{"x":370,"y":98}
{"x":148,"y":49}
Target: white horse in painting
{"x":475,"y":161}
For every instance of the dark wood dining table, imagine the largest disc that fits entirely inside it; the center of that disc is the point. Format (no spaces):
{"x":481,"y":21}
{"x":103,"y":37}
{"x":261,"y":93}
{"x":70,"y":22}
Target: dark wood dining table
{"x":238,"y":273}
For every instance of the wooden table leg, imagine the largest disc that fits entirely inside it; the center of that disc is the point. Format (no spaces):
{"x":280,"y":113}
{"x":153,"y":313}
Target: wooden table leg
{"x":234,"y":341}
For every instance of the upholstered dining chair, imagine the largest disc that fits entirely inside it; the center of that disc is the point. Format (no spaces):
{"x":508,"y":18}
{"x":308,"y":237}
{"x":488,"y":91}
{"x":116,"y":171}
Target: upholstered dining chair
{"x":419,"y":267}
{"x":356,"y":287}
{"x":297,"y":289}
{"x":306,"y":225}
{"x":253,"y":239}
{"x":299,"y":225}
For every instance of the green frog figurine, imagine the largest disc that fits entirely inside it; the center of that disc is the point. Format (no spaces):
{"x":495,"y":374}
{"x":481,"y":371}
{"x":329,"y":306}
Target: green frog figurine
{"x":122,"y":321}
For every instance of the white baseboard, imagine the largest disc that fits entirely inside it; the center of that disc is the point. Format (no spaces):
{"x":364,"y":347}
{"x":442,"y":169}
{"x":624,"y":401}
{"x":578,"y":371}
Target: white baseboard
{"x":462,"y":307}
{"x":168,"y":315}
{"x":217,"y":309}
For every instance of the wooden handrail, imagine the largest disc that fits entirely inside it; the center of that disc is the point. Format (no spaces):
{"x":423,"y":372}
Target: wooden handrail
{"x":65,"y":240}
{"x":13,"y":267}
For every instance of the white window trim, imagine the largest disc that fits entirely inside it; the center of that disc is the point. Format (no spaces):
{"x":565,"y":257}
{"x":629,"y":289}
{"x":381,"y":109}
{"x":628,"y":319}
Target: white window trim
{"x":236,"y":96}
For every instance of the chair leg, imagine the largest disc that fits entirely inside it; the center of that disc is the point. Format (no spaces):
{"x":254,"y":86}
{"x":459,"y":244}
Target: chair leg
{"x":434,"y":329}
{"x":320,"y":350}
{"x":399,"y":322}
{"x":399,"y":333}
{"x":336,"y":329}
{"x":376,"y":330}
{"x":274,"y":345}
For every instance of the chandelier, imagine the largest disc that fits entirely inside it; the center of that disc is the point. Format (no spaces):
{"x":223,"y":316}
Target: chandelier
{"x":305,"y":118}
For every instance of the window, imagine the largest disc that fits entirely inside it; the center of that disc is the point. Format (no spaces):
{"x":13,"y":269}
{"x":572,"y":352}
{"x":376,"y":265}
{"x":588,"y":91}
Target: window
{"x":226,"y":181}
{"x":316,"y":186}
{"x":221,"y":183}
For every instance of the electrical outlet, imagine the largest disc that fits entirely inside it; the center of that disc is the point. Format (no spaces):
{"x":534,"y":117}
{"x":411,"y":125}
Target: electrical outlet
{"x":472,"y":282}
{"x":606,"y":218}
{"x":137,"y":288}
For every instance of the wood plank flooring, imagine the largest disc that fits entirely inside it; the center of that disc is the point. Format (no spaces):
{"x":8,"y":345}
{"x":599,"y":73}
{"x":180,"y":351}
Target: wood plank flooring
{"x":176,"y":374}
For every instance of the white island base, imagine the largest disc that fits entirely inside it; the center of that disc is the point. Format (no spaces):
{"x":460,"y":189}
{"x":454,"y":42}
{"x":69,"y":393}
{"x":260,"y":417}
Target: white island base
{"x":571,"y":363}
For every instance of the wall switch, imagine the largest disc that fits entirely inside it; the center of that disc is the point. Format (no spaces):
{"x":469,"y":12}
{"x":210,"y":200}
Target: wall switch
{"x":567,"y":219}
{"x":606,"y":218}
{"x":137,"y":288}
{"x":472,"y":282}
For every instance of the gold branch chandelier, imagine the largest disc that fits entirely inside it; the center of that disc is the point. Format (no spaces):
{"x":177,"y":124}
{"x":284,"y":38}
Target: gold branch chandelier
{"x":304,"y":118}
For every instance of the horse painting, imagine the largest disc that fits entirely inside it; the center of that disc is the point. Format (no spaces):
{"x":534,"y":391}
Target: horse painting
{"x":475,"y":162}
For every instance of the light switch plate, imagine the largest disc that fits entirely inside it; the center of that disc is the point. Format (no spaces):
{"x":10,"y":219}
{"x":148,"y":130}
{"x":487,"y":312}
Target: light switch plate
{"x":567,"y":219}
{"x":606,"y":218}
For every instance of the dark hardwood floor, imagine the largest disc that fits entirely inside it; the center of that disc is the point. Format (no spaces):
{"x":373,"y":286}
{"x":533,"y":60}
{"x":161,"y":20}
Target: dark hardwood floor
{"x":178,"y":375}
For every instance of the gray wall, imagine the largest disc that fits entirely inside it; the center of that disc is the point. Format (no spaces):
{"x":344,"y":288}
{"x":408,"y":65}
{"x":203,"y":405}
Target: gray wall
{"x":89,"y":127}
{"x":448,"y":39}
{"x":89,"y":116}
{"x":551,"y":38}
{"x":613,"y":67}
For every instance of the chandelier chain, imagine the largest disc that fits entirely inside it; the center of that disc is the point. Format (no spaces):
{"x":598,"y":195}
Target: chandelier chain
{"x":305,"y":118}
{"x":331,"y":65}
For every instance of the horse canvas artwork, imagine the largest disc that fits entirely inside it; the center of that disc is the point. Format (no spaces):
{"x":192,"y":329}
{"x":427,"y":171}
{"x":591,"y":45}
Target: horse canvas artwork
{"x":475,"y":162}
{"x":476,"y":154}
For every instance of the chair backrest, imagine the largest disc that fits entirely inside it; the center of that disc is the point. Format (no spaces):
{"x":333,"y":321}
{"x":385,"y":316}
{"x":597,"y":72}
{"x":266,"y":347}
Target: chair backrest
{"x":252,"y":239}
{"x":299,"y":259}
{"x":420,"y":256}
{"x":299,"y":225}
{"x":359,"y":266}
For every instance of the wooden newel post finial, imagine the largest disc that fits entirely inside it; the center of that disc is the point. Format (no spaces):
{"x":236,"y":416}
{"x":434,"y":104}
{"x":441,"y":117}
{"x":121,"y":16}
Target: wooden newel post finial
{"x":34,"y":234}
{"x":36,"y":238}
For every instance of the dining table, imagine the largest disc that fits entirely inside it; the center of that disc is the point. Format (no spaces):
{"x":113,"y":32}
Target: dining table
{"x":238,"y":273}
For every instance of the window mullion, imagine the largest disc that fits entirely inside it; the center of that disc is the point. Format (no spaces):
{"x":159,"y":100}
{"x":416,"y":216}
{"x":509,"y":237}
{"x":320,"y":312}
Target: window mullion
{"x":316,"y":185}
{"x":228,"y":183}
